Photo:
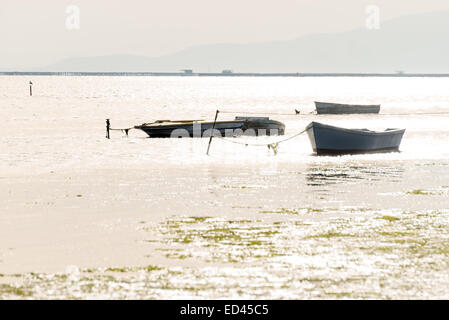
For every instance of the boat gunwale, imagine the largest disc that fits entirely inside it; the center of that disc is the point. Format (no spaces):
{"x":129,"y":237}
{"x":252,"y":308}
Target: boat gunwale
{"x":347,"y":104}
{"x":355,"y":131}
{"x":181,"y":124}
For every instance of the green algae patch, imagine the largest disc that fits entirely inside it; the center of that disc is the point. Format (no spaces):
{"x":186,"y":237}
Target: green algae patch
{"x":196,"y":219}
{"x":281,"y":211}
{"x":381,"y":256}
{"x":230,"y":240}
{"x":394,"y":233}
{"x":384,"y":249}
{"x":389,"y":218}
{"x":88,"y":287}
{"x":268,"y":233}
{"x":329,"y":235}
{"x":246,"y":207}
{"x":411,"y":241}
{"x":178,"y":256}
{"x":314,"y":210}
{"x":186,"y":240}
{"x":10,"y":290}
{"x":124,"y":269}
{"x":221,"y":235}
{"x":131,"y":269}
{"x":151,"y":268}
{"x":298,"y":211}
{"x":420,"y":192}
{"x":341,"y":295}
{"x":444,"y":250}
{"x":242,"y":221}
{"x":239,"y":187}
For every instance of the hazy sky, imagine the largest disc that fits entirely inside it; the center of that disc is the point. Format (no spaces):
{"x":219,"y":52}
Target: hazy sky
{"x":34,"y":32}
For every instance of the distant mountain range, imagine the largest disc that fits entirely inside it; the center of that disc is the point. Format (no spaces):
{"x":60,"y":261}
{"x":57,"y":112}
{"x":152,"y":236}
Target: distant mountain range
{"x":415,"y":44}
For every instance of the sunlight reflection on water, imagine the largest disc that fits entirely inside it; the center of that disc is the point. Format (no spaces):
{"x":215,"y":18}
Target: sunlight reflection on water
{"x":242,"y":222}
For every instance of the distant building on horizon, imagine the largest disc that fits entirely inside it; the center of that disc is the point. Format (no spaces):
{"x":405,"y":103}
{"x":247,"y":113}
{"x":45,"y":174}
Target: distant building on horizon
{"x":187,"y":71}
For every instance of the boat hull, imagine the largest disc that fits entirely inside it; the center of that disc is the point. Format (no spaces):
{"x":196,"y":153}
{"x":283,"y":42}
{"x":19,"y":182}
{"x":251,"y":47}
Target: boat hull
{"x":337,"y":108}
{"x":330,"y":140}
{"x":224,"y":128}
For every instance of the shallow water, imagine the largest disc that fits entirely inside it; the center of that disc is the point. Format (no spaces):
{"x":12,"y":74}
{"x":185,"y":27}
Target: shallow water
{"x":85,"y":217}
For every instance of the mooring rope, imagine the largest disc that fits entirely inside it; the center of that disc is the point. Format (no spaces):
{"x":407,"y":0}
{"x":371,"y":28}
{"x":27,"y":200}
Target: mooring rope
{"x":116,"y":129}
{"x":124,"y":130}
{"x":269,"y":113}
{"x":412,"y":114}
{"x":314,"y":113}
{"x":271,"y":145}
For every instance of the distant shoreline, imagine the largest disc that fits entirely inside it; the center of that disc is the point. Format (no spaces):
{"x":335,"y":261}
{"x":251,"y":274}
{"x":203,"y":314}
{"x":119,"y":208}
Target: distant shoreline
{"x":211,"y":74}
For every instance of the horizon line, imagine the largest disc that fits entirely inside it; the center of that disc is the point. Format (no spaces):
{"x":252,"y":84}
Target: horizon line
{"x":186,"y":73}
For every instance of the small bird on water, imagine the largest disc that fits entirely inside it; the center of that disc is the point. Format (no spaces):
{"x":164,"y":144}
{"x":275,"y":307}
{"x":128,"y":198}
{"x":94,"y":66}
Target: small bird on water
{"x":297,"y":111}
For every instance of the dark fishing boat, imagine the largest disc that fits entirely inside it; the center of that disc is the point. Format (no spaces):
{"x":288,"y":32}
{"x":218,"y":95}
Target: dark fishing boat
{"x":251,"y":126}
{"x":338,"y":108}
{"x":330,"y":140}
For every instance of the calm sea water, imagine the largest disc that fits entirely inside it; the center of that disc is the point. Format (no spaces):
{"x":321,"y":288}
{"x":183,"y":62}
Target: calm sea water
{"x":240,"y":223}
{"x":64,"y":121}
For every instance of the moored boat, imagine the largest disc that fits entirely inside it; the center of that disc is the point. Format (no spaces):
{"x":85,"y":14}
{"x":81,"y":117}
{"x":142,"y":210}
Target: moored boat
{"x":338,"y":108}
{"x":331,"y":140}
{"x":252,"y":126}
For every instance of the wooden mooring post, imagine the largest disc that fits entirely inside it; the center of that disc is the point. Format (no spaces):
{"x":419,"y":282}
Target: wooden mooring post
{"x":212,"y":133}
{"x":108,"y":126}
